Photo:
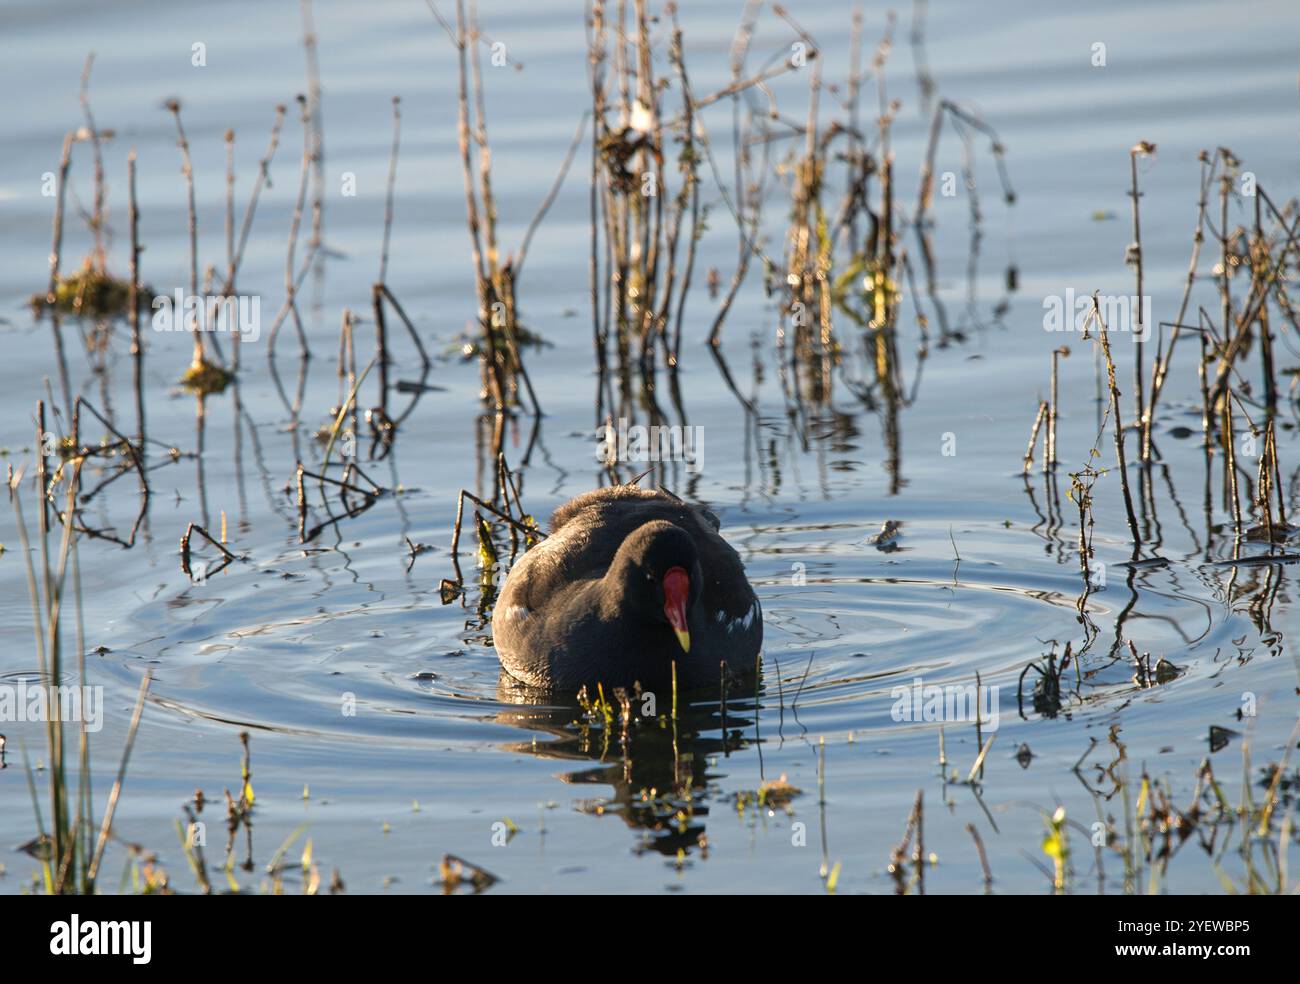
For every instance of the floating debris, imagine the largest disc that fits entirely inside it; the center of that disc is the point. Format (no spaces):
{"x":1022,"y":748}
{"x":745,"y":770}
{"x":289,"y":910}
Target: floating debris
{"x":90,"y":292}
{"x":204,"y":378}
{"x":1258,"y":561}
{"x":454,"y":872}
{"x":773,"y":794}
{"x":1219,"y":737}
{"x":886,"y":540}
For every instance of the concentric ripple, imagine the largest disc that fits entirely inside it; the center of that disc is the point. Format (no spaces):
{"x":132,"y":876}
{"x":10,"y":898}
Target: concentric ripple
{"x":384,"y":660}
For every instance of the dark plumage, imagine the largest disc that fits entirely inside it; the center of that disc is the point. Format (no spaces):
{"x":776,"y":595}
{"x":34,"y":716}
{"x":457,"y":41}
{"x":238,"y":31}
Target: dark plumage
{"x":594,"y":602}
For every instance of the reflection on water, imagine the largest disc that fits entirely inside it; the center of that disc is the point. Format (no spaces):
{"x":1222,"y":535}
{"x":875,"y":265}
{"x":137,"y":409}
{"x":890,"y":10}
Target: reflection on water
{"x":657,"y":767}
{"x":864,"y":413}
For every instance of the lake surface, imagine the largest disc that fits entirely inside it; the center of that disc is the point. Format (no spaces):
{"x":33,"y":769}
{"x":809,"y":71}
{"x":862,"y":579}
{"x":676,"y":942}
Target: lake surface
{"x":982,"y":577}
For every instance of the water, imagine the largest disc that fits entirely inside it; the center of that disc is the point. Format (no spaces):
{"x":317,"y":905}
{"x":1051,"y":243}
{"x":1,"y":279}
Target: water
{"x":985,"y":579}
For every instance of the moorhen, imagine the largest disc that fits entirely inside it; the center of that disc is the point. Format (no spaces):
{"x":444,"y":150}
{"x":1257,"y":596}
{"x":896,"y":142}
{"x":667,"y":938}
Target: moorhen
{"x":628,"y":582}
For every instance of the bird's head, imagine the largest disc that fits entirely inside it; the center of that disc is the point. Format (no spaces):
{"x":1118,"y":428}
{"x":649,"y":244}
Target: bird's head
{"x":657,"y":574}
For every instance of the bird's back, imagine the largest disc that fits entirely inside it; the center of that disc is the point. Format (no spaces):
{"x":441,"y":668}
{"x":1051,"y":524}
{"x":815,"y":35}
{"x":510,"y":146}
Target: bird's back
{"x":546,"y":617}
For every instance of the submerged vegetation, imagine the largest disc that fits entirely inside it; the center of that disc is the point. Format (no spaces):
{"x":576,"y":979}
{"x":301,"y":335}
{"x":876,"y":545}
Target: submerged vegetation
{"x":852,"y":286}
{"x":1151,"y":829}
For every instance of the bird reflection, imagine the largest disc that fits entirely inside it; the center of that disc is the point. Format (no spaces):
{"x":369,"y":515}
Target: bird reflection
{"x":657,"y":765}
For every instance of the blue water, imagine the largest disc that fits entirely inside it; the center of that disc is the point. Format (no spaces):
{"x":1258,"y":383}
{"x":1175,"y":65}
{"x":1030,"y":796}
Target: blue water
{"x":287,"y":639}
